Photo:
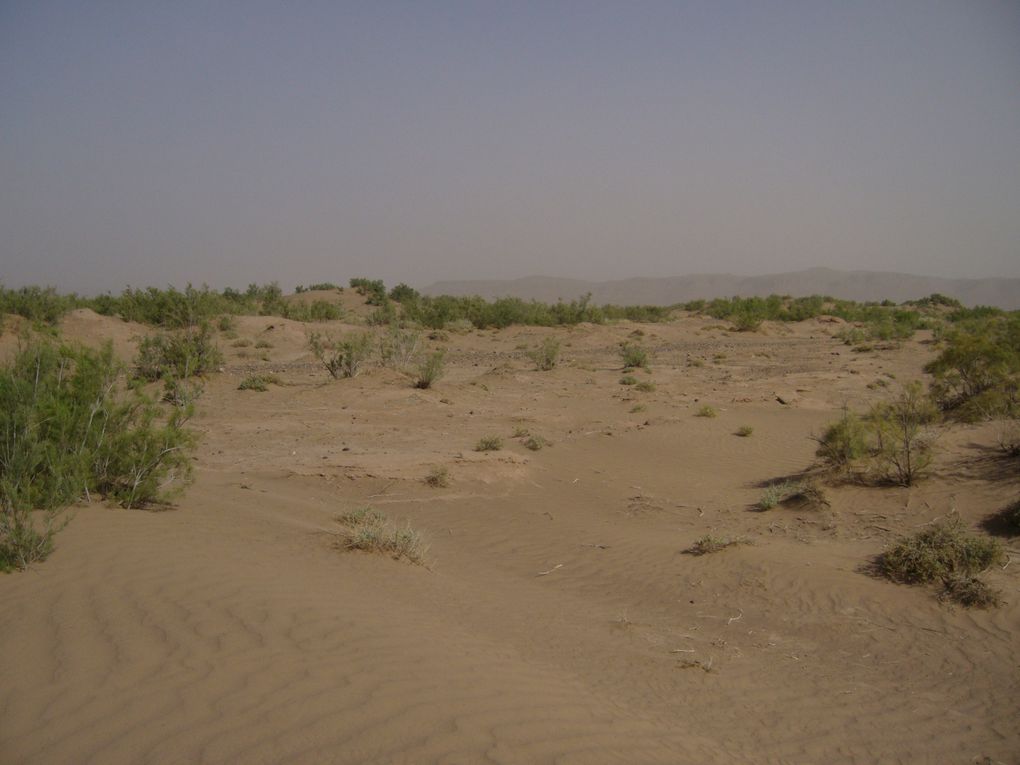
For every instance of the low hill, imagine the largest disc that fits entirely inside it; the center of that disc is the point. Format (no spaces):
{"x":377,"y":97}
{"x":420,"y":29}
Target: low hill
{"x":849,"y":285}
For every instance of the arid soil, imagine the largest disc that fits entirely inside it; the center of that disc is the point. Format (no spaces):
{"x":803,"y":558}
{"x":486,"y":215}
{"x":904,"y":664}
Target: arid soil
{"x":558,"y":618}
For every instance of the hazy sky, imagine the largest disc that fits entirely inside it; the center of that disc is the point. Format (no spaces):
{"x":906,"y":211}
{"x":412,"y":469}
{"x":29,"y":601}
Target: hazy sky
{"x":166,"y":142}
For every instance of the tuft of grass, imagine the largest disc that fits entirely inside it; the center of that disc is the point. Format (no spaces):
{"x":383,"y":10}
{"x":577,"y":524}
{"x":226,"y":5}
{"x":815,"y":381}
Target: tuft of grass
{"x":628,"y":380}
{"x":638,"y":408}
{"x":535,"y":443}
{"x":341,"y":357}
{"x":430,"y":370}
{"x":707,"y":411}
{"x":970,"y":592}
{"x":438,"y":478}
{"x":369,"y":530}
{"x":259,"y":383}
{"x":645,"y":387}
{"x":802,"y":494}
{"x":242,"y":342}
{"x":938,"y":552}
{"x":263,"y":344}
{"x":711,"y":544}
{"x":744,"y":431}
{"x":521,"y":432}
{"x":489,"y":444}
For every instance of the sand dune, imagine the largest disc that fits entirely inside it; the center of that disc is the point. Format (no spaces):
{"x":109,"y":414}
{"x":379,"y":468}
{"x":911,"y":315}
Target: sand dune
{"x":558,"y":620}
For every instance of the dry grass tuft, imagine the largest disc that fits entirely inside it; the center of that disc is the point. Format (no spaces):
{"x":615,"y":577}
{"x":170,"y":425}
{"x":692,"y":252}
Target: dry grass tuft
{"x":369,"y":530}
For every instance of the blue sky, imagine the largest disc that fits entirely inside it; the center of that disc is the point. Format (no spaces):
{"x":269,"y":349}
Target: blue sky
{"x":154,"y":143}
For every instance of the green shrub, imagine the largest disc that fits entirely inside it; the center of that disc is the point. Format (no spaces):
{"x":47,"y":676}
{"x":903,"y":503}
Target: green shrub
{"x":226,"y":323}
{"x":398,"y":347}
{"x":645,"y":387}
{"x":547,"y":355}
{"x":970,"y":592}
{"x":259,"y":383}
{"x":43,"y":305}
{"x":744,"y":431}
{"x":489,"y":444}
{"x":438,"y":478}
{"x":633,"y":355}
{"x":180,"y":354}
{"x":804,"y":495}
{"x":903,"y":441}
{"x":707,"y":411}
{"x":263,"y":344}
{"x":342,"y":357}
{"x":430,"y":370}
{"x":69,"y":429}
{"x":372,"y":289}
{"x":243,"y":342}
{"x":404,"y":294}
{"x":535,"y":443}
{"x":628,"y":380}
{"x":712,"y":544}
{"x":941,"y":550}
{"x":843,"y":442}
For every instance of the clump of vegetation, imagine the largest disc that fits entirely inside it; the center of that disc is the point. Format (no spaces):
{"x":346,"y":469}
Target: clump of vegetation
{"x":638,"y":408}
{"x":259,"y":383}
{"x":645,"y":386}
{"x":547,"y":355}
{"x":707,"y":411}
{"x":438,"y":478}
{"x":712,"y":544}
{"x":372,"y":289}
{"x":633,"y":356}
{"x":628,"y":380}
{"x":535,"y":443}
{"x":226,"y":323}
{"x":944,"y":552}
{"x":799,"y":494}
{"x":843,"y":442}
{"x":179,"y":354}
{"x":489,"y":444}
{"x":744,"y":431}
{"x":521,"y":432}
{"x":398,"y":347}
{"x":242,"y":342}
{"x":342,"y":357}
{"x":369,"y":530}
{"x":263,"y":344}
{"x":430,"y":370}
{"x":70,"y":428}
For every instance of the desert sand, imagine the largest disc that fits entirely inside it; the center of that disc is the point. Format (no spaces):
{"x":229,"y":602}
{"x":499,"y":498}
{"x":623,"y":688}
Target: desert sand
{"x":558,"y":619}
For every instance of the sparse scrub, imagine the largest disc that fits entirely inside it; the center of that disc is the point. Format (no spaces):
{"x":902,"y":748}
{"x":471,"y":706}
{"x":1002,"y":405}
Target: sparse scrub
{"x":707,"y":411}
{"x":179,"y":354}
{"x":628,"y":380}
{"x":438,"y":478}
{"x":938,"y":551}
{"x":633,"y":356}
{"x":547,"y":355}
{"x":489,"y":444}
{"x":712,"y":544}
{"x":369,"y":530}
{"x":263,"y":344}
{"x":398,"y":347}
{"x":637,"y":408}
{"x":430,"y":370}
{"x":843,"y":442}
{"x":645,"y":387}
{"x":243,"y":342}
{"x":342,"y":357}
{"x":799,"y":494}
{"x":535,"y":443}
{"x":259,"y":383}
{"x":903,"y":438}
{"x":744,"y":431}
{"x":970,"y":592}
{"x":226,"y":323}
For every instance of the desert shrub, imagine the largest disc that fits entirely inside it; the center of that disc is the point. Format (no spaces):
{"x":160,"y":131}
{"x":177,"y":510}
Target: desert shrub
{"x":402,"y":293}
{"x":521,"y":432}
{"x":707,"y":411}
{"x":319,"y":287}
{"x":372,"y":289}
{"x":744,"y":431}
{"x":633,"y":355}
{"x":642,"y":313}
{"x":628,"y":380}
{"x":323,"y":310}
{"x":712,"y":544}
{"x":369,"y":530}
{"x":398,"y":347}
{"x":843,"y":442}
{"x":242,"y":342}
{"x":970,"y":592}
{"x":43,"y":305}
{"x":70,"y":429}
{"x":942,"y":550}
{"x":535,"y":443}
{"x":645,"y":387}
{"x":226,"y":323}
{"x":438,"y":478}
{"x":181,"y":393}
{"x":384,"y":314}
{"x":489,"y":444}
{"x":746,"y":321}
{"x":903,"y":439}
{"x":977,"y":373}
{"x":637,"y":408}
{"x":547,"y":355}
{"x":342,"y":357}
{"x":179,"y":354}
{"x":259,"y":383}
{"x":430,"y":370}
{"x":795,"y":494}
{"x":263,"y":344}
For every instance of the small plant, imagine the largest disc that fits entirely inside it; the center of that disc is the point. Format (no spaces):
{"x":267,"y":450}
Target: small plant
{"x":638,"y":408}
{"x":489,"y":444}
{"x":711,"y":544}
{"x":181,"y":393}
{"x":263,"y":344}
{"x":633,"y":355}
{"x":941,"y":550}
{"x":341,"y":357}
{"x":970,"y":592}
{"x":628,"y":380}
{"x":645,"y":387}
{"x":226,"y":323}
{"x":707,"y":411}
{"x":547,"y":355}
{"x":801,"y":494}
{"x":521,"y":432}
{"x":430,"y":370}
{"x":744,"y":431}
{"x":903,"y":437}
{"x":369,"y":530}
{"x":398,"y":347}
{"x":843,"y":442}
{"x":535,"y":443}
{"x":243,"y":342}
{"x":258,"y":382}
{"x":438,"y":478}
{"x":179,"y":354}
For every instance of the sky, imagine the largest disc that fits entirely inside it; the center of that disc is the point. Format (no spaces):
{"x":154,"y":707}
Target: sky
{"x":235,"y":142}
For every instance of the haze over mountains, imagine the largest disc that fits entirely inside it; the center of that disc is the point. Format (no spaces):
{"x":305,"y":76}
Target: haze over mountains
{"x":848,"y":285}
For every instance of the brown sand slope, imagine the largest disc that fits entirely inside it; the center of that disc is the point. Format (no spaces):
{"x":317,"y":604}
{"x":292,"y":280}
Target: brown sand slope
{"x":559,"y":619}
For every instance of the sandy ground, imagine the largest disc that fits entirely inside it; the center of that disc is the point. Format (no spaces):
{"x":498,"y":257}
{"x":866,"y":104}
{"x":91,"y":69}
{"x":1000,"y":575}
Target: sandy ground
{"x":558,"y":619}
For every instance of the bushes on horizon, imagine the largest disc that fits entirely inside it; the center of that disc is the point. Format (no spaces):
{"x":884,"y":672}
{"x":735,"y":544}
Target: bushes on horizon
{"x":38,"y":304}
{"x":69,"y":428}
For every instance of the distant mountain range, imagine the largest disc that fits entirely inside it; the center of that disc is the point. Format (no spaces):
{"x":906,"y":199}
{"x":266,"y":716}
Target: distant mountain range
{"x":849,"y":285}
